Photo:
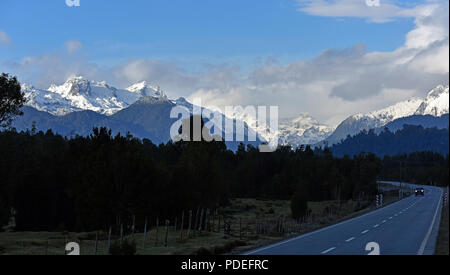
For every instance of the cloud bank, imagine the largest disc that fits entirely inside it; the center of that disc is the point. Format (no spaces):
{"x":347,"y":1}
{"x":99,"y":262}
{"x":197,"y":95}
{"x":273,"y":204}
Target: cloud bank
{"x":330,"y":86}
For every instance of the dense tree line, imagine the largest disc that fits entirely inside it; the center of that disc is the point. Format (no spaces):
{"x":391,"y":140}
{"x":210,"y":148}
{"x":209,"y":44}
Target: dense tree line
{"x":90,"y":183}
{"x":407,"y":140}
{"x":420,"y":168}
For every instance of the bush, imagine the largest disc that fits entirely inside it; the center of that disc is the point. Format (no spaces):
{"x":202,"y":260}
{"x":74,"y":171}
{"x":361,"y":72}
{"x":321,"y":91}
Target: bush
{"x":299,"y":205}
{"x":4,"y":215}
{"x":127,"y":248}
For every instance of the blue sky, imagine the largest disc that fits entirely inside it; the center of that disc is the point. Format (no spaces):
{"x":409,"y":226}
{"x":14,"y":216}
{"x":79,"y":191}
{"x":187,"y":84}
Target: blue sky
{"x":329,"y":58}
{"x":186,"y":29}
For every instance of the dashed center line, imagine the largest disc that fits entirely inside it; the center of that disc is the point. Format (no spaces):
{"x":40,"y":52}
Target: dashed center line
{"x":349,"y":240}
{"x":376,"y":225}
{"x":365,"y":231}
{"x":383,"y":221}
{"x":390,"y":218}
{"x":328,"y":250}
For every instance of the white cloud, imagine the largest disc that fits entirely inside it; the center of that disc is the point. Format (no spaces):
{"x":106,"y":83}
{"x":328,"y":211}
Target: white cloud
{"x":384,"y":12}
{"x":331,"y":86}
{"x":43,"y":70}
{"x":73,"y":46}
{"x":5,"y":40}
{"x":338,"y":83}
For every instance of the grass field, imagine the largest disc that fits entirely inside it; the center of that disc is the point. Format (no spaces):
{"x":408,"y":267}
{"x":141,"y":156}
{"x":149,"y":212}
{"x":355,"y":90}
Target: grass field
{"x":243,"y":215}
{"x":442,"y":242}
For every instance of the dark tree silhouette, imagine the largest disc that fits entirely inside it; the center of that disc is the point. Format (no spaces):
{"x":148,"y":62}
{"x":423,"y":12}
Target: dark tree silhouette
{"x":11,"y":99}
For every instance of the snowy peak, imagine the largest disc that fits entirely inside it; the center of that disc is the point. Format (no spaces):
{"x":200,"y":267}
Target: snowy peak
{"x":302,"y":130}
{"x":72,"y":87}
{"x":78,"y":94}
{"x":144,"y":89}
{"x":436,"y":103}
{"x":398,"y":110}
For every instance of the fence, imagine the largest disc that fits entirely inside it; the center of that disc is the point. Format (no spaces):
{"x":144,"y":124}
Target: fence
{"x":158,"y":236}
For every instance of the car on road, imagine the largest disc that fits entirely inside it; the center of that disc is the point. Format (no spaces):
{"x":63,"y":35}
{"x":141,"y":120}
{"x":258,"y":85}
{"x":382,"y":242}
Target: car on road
{"x":419,"y":191}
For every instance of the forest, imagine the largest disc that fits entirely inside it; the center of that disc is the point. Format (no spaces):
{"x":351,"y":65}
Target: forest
{"x":90,"y":183}
{"x":49,"y":182}
{"x":409,"y":139}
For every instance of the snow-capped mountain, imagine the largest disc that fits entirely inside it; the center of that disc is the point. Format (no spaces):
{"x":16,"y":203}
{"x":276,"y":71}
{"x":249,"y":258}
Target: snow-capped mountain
{"x":436,"y":104}
{"x":302,"y":130}
{"x":78,"y":94}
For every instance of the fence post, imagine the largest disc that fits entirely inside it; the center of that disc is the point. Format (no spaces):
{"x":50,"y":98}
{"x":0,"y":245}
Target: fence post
{"x":96,"y":243}
{"x":214,"y":221}
{"x":190,"y":224}
{"x":200,"y":221}
{"x":167,"y":232}
{"x":182,"y":225}
{"x":207,"y":220}
{"x":196,"y":219}
{"x":109,"y":238}
{"x":157,"y":229}
{"x":145,"y":233}
{"x":133,"y":225}
{"x":121,"y":234}
{"x":218,"y":227}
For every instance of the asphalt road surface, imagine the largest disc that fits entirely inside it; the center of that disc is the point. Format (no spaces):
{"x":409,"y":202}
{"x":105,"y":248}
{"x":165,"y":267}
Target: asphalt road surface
{"x":407,"y":227}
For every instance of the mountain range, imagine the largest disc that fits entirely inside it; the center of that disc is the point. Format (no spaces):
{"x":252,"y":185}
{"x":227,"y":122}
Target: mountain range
{"x":435,"y":104}
{"x":78,"y":105}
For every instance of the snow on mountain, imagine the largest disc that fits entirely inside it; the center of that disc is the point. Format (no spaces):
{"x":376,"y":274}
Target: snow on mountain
{"x":302,"y":130}
{"x":47,"y":101}
{"x":78,"y":94}
{"x":144,"y":89}
{"x":436,"y":104}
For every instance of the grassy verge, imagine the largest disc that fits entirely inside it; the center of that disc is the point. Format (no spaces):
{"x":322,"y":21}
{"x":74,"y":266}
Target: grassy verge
{"x":442,"y":245}
{"x":244,"y":216}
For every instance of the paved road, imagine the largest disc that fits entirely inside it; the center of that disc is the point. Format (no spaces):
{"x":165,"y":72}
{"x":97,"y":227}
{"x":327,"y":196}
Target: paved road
{"x":407,"y":227}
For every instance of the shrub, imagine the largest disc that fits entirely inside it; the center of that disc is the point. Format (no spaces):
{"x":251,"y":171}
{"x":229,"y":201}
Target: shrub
{"x":299,"y":205}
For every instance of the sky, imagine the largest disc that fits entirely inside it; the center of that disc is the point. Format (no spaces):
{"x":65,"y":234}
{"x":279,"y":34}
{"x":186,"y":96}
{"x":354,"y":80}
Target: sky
{"x":328,"y":58}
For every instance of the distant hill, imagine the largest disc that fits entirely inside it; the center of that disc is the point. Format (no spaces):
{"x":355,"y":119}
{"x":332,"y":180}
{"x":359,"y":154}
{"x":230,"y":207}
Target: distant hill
{"x":435,"y":104}
{"x":148,"y":118}
{"x":410,"y":138}
{"x":427,"y":121}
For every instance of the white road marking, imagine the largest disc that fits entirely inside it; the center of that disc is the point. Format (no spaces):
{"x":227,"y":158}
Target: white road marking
{"x":376,"y":225}
{"x":424,"y":242}
{"x":383,"y":221}
{"x":328,"y":250}
{"x":321,"y":230}
{"x":326,"y":228}
{"x":351,"y":239}
{"x":390,"y":218}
